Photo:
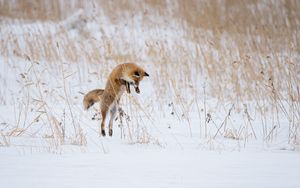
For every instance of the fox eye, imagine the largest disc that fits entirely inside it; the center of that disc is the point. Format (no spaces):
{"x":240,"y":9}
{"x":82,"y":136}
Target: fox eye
{"x":137,"y":74}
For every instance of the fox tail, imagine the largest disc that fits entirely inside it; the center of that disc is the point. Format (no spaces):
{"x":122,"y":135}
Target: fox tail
{"x":92,"y":97}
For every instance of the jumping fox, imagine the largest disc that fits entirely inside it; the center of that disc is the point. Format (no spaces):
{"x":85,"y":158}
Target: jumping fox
{"x":120,"y":79}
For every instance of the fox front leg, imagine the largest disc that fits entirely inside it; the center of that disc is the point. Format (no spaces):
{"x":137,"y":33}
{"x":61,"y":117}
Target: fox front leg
{"x":128,"y":87}
{"x":126,"y":84}
{"x":137,"y":89}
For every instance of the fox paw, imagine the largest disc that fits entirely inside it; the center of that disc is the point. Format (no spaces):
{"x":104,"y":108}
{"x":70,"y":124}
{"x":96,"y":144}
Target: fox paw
{"x":103,"y":132}
{"x":110,"y":132}
{"x":137,"y":90}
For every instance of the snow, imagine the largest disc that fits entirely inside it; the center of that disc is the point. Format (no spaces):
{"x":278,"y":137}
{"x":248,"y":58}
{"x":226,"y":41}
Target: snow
{"x":148,"y":166}
{"x":176,"y":133}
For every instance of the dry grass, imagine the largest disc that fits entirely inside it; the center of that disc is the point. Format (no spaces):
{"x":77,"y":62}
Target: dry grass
{"x":243,"y":53}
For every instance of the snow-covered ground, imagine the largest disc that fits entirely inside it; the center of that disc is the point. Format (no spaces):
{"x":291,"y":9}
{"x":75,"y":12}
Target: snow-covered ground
{"x":209,"y":115}
{"x":175,"y":159}
{"x":124,"y":165}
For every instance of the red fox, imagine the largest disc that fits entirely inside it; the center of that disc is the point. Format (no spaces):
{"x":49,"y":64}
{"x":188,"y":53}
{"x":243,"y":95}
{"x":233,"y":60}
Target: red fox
{"x":119,"y":80}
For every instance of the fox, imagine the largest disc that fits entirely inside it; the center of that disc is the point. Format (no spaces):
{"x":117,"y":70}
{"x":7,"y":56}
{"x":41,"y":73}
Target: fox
{"x":120,"y":79}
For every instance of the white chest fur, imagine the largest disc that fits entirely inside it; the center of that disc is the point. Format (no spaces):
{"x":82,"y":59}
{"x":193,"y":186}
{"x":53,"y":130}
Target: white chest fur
{"x":116,"y":101}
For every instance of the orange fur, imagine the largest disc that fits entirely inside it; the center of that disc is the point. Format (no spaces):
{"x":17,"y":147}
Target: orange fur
{"x":119,"y":80}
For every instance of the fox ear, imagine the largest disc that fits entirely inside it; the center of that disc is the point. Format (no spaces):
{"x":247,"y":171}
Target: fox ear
{"x":146,"y":74}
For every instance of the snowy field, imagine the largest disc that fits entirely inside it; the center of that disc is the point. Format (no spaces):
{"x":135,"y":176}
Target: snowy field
{"x":146,"y":166}
{"x":221,"y":107}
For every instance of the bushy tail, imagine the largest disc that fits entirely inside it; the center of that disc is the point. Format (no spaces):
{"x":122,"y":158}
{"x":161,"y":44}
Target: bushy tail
{"x":91,"y":97}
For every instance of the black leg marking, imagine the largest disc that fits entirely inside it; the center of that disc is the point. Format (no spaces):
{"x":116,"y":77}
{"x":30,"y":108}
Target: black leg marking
{"x":128,"y":87}
{"x":103,"y":132}
{"x":137,"y":89}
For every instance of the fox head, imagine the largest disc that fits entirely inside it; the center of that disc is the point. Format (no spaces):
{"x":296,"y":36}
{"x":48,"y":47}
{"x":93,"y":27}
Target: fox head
{"x":132,"y":75}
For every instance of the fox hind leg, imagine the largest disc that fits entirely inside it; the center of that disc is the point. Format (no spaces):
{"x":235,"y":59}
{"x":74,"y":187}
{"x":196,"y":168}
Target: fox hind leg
{"x":113,"y":113}
{"x":102,"y":128}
